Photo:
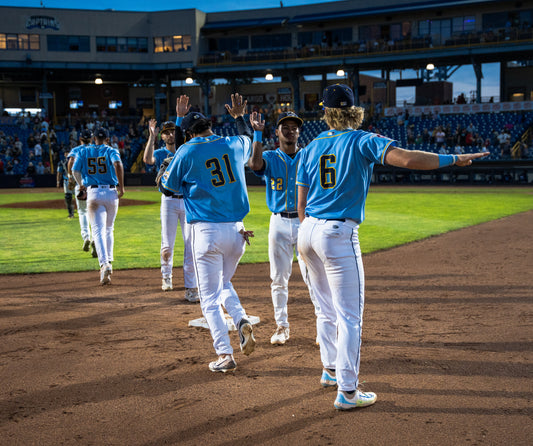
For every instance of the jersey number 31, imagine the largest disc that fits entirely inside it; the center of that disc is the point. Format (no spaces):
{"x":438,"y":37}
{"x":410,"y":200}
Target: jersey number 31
{"x":214,"y":163}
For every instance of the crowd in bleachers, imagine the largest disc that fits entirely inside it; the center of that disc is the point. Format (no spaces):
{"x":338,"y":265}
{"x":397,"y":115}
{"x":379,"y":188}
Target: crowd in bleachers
{"x":496,"y":133}
{"x":30,"y":145}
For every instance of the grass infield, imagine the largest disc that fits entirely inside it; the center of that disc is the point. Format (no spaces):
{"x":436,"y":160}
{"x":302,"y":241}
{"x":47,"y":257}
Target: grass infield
{"x":44,"y":240}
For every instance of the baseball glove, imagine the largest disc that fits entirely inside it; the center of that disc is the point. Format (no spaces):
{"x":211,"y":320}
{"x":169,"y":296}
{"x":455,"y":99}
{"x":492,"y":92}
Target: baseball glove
{"x":162,"y":169}
{"x":82,"y":195}
{"x":71,"y":183}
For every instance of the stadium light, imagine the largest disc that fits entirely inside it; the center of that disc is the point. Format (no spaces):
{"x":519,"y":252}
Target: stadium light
{"x":430,"y":67}
{"x":269,"y":77}
{"x":98,"y":80}
{"x":340,"y":73}
{"x":189,"y":80}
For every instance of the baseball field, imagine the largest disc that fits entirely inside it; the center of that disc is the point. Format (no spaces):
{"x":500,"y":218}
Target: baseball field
{"x":447,"y":340}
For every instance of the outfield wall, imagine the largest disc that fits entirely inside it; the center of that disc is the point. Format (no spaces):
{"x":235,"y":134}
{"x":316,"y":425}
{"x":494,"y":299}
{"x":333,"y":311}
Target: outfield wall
{"x":482,"y":172}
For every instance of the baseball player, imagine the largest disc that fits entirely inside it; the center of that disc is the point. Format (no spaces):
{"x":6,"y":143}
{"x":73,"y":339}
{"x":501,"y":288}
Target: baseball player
{"x":208,"y":171}
{"x":85,"y":140}
{"x":279,"y":167}
{"x":172,"y":207}
{"x":99,"y":173}
{"x":62,"y":179}
{"x":333,"y":181}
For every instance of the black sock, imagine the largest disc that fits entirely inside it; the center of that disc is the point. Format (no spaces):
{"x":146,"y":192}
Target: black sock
{"x":350,"y":393}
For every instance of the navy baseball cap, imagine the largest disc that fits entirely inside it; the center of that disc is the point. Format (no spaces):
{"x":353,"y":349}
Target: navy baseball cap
{"x":191,"y":119}
{"x":168,"y":125}
{"x":86,"y":134}
{"x":101,"y":133}
{"x":338,"y":96}
{"x":289,"y":115}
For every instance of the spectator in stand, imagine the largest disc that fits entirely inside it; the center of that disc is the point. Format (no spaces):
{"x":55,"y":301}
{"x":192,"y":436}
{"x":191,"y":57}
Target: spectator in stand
{"x":440,"y":136}
{"x":1,"y":166}
{"x":18,"y":168}
{"x":504,"y":140}
{"x":30,"y":170}
{"x":426,"y":136}
{"x":471,"y":128}
{"x":39,"y":169}
{"x":442,"y":150}
{"x":9,"y":168}
{"x":458,"y":149}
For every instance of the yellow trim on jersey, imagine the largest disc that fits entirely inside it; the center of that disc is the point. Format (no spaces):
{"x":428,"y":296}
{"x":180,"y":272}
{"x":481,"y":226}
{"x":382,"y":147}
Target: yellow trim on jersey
{"x":334,"y":136}
{"x":382,"y":159}
{"x":203,"y":142}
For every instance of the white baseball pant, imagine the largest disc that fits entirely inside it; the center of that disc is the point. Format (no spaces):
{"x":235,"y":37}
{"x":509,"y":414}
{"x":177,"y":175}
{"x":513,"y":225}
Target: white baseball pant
{"x":172,"y":212}
{"x":217,"y":249}
{"x":282,"y":243}
{"x":102,"y":206}
{"x":331,"y":251}
{"x":83,"y":216}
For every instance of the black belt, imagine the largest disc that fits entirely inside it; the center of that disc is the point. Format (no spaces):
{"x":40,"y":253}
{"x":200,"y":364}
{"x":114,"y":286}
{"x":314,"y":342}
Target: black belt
{"x":94,"y":186}
{"x":177,"y":196}
{"x":287,"y":214}
{"x":335,"y":219}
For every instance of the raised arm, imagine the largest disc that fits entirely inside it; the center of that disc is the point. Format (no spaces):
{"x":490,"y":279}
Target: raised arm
{"x":237,"y":111}
{"x":182,"y":108}
{"x":256,"y":161}
{"x":148,"y":156}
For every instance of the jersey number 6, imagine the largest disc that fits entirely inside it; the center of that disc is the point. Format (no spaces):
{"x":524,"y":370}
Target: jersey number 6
{"x":328,"y":174}
{"x":214,"y":163}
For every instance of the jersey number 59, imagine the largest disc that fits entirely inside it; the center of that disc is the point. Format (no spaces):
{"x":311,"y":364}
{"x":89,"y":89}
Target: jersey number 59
{"x":328,"y":174}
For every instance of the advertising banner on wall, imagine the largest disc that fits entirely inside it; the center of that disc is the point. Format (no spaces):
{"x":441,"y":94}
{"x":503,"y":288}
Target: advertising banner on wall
{"x":418,"y":110}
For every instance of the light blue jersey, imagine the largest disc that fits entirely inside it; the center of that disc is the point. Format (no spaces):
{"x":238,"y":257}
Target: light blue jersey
{"x":209,"y":172}
{"x":75,"y":151}
{"x":280,"y":177}
{"x":96,"y":164}
{"x":160,"y":155}
{"x":340,"y":161}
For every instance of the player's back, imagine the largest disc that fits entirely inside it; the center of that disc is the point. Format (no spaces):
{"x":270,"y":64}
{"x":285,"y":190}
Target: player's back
{"x":214,"y":178}
{"x":96,"y":164}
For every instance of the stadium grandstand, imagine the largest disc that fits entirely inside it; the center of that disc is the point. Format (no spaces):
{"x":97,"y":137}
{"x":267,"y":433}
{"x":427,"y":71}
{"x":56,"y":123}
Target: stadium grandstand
{"x":62,"y":70}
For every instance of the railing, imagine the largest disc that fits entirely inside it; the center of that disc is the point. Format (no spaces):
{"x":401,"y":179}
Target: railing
{"x":374,"y":47}
{"x":525,"y":138}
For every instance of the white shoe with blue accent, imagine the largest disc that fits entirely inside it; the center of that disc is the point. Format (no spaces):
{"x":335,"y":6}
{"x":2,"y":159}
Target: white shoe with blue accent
{"x":345,"y":401}
{"x":328,"y":378}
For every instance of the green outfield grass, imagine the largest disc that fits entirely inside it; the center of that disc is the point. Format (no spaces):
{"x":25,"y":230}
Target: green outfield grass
{"x":44,"y":240}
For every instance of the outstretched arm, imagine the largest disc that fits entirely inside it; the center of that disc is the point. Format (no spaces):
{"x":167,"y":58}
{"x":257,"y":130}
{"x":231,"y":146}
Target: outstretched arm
{"x":418,"y":160}
{"x":256,"y":161}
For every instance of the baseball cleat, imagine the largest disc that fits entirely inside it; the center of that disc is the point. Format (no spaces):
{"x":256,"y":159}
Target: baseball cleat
{"x":328,"y":378}
{"x":105,"y":274}
{"x":224,"y":364}
{"x":345,"y":401}
{"x":93,"y":250}
{"x":191,"y":294}
{"x":280,"y":336}
{"x":167,"y":284}
{"x":246,"y":336}
{"x":86,"y":245}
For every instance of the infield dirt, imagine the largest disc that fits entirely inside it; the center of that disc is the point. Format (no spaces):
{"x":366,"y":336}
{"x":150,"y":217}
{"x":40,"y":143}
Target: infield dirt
{"x":447,"y":346}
